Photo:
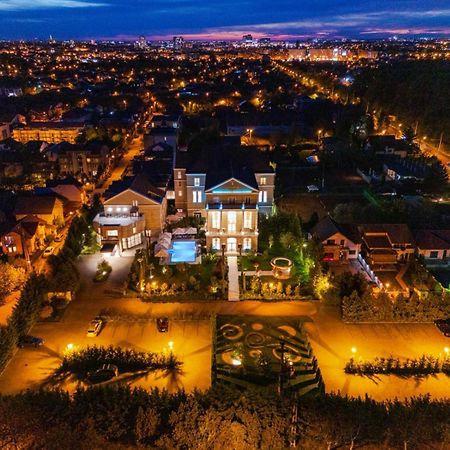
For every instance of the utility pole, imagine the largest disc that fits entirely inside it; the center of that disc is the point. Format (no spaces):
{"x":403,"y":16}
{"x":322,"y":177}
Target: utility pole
{"x":282,"y":367}
{"x":440,"y":142}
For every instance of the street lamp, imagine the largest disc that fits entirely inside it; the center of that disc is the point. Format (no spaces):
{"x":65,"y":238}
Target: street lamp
{"x":319,"y":135}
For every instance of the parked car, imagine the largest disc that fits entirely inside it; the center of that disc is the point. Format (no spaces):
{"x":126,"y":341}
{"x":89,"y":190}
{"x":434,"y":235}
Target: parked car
{"x":162,"y":323}
{"x":30,"y":341}
{"x":443,"y":325}
{"x":105,"y":373}
{"x":94,"y":327}
{"x":48,"y":251}
{"x":59,"y":237}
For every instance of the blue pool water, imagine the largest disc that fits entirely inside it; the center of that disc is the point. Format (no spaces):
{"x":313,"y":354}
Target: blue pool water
{"x":183,"y":251}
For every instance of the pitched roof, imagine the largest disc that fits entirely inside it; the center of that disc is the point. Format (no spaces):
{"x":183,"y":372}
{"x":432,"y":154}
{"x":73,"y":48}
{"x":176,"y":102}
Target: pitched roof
{"x":433,"y":239}
{"x":327,"y":227}
{"x":35,"y":205}
{"x":140,"y":184}
{"x":399,"y":233}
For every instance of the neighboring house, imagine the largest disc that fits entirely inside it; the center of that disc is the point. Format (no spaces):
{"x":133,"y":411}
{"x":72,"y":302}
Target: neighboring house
{"x":51,"y":132}
{"x":157,"y":135}
{"x":405,"y":169}
{"x":166,"y":121}
{"x":433,"y":245}
{"x":48,"y":208}
{"x":133,"y":209}
{"x":384,"y":244}
{"x":387,"y":145}
{"x":340,"y":242}
{"x":228,"y":186}
{"x":25,"y":236}
{"x":70,"y":189}
{"x":89,"y":159}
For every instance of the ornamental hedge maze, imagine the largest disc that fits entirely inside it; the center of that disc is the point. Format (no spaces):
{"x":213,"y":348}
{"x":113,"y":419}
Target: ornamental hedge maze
{"x":265,"y":351}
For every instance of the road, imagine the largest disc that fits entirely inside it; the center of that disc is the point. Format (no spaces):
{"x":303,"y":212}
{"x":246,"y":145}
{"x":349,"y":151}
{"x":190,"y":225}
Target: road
{"x":132,"y":325}
{"x":133,"y":149}
{"x":425,"y":146}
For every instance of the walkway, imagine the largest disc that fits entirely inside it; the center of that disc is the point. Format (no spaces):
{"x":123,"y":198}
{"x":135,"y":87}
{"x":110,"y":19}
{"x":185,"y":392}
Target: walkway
{"x":233,"y":279}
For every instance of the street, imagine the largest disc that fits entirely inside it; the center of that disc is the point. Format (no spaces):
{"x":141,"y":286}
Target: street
{"x":133,"y":149}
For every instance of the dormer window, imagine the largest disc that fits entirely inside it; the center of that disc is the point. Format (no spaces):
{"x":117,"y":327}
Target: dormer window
{"x":263,"y":181}
{"x":196,"y":181}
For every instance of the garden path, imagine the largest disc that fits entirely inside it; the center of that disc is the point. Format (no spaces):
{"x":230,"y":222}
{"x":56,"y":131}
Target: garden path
{"x":233,"y":279}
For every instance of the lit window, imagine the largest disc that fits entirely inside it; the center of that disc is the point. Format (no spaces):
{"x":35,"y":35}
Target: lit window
{"x":197,"y":196}
{"x":180,"y":193}
{"x":196,"y":181}
{"x":112,"y":233}
{"x":262,"y":198}
{"x":134,"y":230}
{"x":179,"y":175}
{"x":247,"y":244}
{"x":263,"y":181}
{"x":215,"y":219}
{"x":247,"y":219}
{"x":231,"y":221}
{"x":216,"y":244}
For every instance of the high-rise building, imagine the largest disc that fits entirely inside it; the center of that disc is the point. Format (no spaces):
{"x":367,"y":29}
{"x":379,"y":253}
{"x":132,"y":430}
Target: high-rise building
{"x":142,"y":42}
{"x":178,"y":42}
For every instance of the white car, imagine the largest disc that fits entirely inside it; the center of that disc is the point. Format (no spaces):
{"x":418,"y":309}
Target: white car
{"x":48,"y":251}
{"x":312,"y":188}
{"x":94,"y":327}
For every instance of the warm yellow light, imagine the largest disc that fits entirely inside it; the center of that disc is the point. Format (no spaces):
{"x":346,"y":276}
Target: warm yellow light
{"x":354,"y":350}
{"x":446,"y":350}
{"x":171,"y":345}
{"x":69,"y":347}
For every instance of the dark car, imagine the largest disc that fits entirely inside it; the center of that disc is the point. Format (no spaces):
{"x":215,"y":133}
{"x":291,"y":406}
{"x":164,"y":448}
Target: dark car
{"x":105,"y":373}
{"x":30,"y":341}
{"x":443,"y":325}
{"x":162,"y":323}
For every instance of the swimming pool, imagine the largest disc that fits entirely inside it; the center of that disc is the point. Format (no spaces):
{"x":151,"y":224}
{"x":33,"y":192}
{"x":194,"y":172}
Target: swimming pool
{"x":183,"y":251}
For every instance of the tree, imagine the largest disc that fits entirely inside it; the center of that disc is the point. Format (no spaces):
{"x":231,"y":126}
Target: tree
{"x":147,"y":423}
{"x":321,"y":284}
{"x":436,"y":178}
{"x":11,"y":278}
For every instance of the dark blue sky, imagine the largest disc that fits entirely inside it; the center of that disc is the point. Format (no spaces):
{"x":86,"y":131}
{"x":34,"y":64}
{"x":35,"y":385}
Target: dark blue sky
{"x":66,"y":19}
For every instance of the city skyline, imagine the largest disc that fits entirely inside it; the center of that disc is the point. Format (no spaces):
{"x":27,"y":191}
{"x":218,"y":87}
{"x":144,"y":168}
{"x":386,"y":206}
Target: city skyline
{"x":222,"y":19}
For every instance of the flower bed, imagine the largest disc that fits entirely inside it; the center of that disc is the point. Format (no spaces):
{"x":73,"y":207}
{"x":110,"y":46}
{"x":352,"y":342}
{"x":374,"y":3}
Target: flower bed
{"x":425,"y":365}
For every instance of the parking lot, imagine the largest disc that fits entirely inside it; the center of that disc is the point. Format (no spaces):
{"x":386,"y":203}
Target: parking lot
{"x":190,"y":340}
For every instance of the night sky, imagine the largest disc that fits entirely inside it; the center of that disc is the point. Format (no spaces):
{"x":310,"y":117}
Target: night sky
{"x":197,"y":19}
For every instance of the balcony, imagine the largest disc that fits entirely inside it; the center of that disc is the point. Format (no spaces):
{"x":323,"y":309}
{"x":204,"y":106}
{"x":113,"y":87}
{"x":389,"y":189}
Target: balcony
{"x":248,"y":232}
{"x":118,"y":220}
{"x":231,"y":205}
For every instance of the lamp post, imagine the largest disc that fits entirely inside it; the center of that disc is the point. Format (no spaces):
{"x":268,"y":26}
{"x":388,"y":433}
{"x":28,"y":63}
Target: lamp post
{"x":242,"y":268}
{"x":282,"y":366}
{"x":223,"y":269}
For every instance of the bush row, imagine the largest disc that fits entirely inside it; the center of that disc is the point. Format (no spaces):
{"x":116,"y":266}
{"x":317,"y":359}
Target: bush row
{"x":89,"y":359}
{"x":24,"y":315}
{"x":371,"y":307}
{"x":424,"y":365}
